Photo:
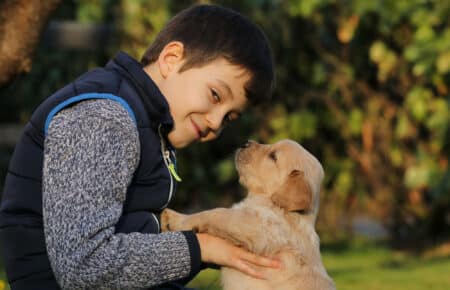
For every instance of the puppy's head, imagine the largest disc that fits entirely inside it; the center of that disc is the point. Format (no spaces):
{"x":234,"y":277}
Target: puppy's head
{"x":285,"y":172}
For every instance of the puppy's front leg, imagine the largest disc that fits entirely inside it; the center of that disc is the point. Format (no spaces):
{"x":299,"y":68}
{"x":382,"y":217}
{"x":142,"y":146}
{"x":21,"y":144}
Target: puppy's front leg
{"x":234,"y":225}
{"x":173,"y":221}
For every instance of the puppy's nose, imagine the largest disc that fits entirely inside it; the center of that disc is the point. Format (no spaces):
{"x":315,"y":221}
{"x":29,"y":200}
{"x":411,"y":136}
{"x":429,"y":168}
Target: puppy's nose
{"x":247,"y":144}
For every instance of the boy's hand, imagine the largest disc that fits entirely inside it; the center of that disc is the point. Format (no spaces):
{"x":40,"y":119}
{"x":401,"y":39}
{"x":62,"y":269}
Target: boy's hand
{"x":221,"y":252}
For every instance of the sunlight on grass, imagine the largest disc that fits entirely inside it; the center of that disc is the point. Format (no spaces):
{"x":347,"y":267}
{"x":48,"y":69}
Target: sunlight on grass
{"x":369,"y":267}
{"x":360,"y":266}
{"x":207,"y":280}
{"x":3,"y":284}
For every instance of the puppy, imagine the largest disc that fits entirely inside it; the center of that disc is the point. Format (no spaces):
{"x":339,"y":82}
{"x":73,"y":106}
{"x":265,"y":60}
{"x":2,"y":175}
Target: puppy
{"x":275,"y":219}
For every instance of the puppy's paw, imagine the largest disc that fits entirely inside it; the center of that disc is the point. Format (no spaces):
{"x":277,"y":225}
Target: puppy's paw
{"x":172,"y":220}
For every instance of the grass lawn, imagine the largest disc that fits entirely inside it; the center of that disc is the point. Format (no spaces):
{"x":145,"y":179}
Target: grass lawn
{"x":363,"y":266}
{"x":3,"y":284}
{"x":370,"y":267}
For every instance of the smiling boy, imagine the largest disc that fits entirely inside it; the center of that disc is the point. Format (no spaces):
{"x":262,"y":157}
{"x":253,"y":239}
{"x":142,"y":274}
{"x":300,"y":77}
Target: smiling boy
{"x":202,"y":99}
{"x":95,"y":165}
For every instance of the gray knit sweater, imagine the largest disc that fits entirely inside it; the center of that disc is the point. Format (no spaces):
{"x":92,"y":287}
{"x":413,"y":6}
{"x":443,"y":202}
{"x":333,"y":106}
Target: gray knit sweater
{"x":90,"y":154}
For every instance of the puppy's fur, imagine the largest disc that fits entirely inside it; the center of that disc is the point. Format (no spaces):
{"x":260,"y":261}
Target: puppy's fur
{"x":276,"y":218}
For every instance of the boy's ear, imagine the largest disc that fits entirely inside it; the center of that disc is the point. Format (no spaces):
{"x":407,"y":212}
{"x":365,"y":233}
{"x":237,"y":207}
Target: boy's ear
{"x":171,"y":58}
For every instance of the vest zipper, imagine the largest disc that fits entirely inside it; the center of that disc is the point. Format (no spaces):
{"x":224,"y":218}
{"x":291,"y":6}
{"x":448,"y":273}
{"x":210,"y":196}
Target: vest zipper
{"x":157,"y":222}
{"x":169,"y":164}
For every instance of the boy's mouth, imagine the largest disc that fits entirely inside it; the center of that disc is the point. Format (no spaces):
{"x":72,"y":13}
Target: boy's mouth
{"x":197,"y":129}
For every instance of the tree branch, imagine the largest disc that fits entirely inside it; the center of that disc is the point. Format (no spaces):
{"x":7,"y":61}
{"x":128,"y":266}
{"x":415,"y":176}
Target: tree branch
{"x":21,"y":24}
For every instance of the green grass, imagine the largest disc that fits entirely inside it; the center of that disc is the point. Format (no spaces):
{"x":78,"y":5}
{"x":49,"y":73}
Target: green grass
{"x":363,"y":266}
{"x":369,"y":267}
{"x":3,"y":282}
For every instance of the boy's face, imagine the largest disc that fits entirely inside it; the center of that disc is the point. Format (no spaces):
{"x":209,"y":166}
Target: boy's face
{"x":203,"y":99}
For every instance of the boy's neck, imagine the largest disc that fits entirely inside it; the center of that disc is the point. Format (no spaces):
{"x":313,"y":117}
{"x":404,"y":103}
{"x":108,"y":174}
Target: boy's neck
{"x":153,"y":72}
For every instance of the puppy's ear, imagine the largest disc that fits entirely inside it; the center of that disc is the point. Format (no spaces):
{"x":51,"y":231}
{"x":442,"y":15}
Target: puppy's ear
{"x":295,"y":194}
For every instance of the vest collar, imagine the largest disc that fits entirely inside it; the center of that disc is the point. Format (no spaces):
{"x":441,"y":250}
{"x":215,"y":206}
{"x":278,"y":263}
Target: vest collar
{"x":155,"y":103}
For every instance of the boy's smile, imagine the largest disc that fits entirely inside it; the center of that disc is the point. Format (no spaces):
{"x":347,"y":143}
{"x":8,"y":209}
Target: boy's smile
{"x":201,"y":99}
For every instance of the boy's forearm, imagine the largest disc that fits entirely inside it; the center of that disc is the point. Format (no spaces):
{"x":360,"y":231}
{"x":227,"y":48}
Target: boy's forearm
{"x":87,"y":169}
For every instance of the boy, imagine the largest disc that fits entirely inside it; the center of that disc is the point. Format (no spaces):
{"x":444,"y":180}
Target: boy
{"x":95,"y":165}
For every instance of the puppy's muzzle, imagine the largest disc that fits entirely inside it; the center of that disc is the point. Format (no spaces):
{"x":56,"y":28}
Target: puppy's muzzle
{"x":242,"y":154}
{"x":248,"y":144}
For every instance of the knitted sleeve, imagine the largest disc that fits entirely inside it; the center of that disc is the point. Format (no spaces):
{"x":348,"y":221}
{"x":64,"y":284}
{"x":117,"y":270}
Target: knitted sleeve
{"x":90,"y":154}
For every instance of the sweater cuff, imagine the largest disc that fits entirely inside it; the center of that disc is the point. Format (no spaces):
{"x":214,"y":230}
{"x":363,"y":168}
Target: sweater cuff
{"x":194,"y":251}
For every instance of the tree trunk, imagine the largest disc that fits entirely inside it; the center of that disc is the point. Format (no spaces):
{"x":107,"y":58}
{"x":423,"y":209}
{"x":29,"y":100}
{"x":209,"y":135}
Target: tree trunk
{"x":21,"y":24}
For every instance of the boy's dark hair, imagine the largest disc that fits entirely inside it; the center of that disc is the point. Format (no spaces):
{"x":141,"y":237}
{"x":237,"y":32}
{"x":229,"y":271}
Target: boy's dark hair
{"x":209,"y":32}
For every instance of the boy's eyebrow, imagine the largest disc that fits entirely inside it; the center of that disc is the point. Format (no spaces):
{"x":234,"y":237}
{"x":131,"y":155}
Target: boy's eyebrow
{"x":226,"y":86}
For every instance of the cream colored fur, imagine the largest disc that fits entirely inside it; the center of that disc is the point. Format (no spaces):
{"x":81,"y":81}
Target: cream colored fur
{"x":276,"y":219}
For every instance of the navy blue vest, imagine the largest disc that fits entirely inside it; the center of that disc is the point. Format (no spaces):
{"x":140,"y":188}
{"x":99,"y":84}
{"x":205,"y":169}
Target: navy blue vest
{"x":152,"y":187}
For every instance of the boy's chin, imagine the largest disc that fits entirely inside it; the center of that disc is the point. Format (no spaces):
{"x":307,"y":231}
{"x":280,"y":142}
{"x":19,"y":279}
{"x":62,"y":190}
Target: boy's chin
{"x":179,"y":143}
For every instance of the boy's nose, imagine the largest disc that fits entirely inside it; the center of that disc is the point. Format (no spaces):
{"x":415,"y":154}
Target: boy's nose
{"x":215,"y":122}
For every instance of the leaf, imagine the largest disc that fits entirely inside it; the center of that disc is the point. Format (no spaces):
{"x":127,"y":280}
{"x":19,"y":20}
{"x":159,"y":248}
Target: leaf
{"x":403,"y":128}
{"x":443,"y":62}
{"x":417,"y":102}
{"x":416,"y":176}
{"x":396,"y":156}
{"x":377,"y":51}
{"x":344,"y":182}
{"x":355,"y":121}
{"x":302,"y":125}
{"x":346,"y":28}
{"x":305,"y":8}
{"x":425,"y":33}
{"x":225,"y":170}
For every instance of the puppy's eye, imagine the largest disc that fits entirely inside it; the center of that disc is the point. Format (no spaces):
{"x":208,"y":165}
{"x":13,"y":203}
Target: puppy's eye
{"x":273,"y":155}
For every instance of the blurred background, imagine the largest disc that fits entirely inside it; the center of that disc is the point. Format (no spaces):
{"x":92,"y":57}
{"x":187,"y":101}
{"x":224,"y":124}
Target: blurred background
{"x":362,"y":84}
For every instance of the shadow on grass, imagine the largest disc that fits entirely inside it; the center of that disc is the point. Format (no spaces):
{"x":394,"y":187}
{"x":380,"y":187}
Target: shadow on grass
{"x":344,"y":271}
{"x":408,"y":261}
{"x":358,"y":245}
{"x":355,"y":255}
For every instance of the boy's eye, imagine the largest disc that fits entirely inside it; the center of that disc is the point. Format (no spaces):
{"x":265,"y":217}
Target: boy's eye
{"x":215,"y":96}
{"x":230,"y":117}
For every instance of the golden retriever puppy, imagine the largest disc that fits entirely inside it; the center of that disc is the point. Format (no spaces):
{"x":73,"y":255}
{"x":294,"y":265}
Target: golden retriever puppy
{"x":275,"y":219}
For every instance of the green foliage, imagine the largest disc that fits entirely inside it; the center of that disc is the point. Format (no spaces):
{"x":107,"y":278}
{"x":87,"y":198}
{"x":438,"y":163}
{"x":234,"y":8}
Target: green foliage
{"x":368,"y":82}
{"x":294,"y":125}
{"x":364,"y":85}
{"x":90,"y":11}
{"x":139,"y":22}
{"x":305,"y":8}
